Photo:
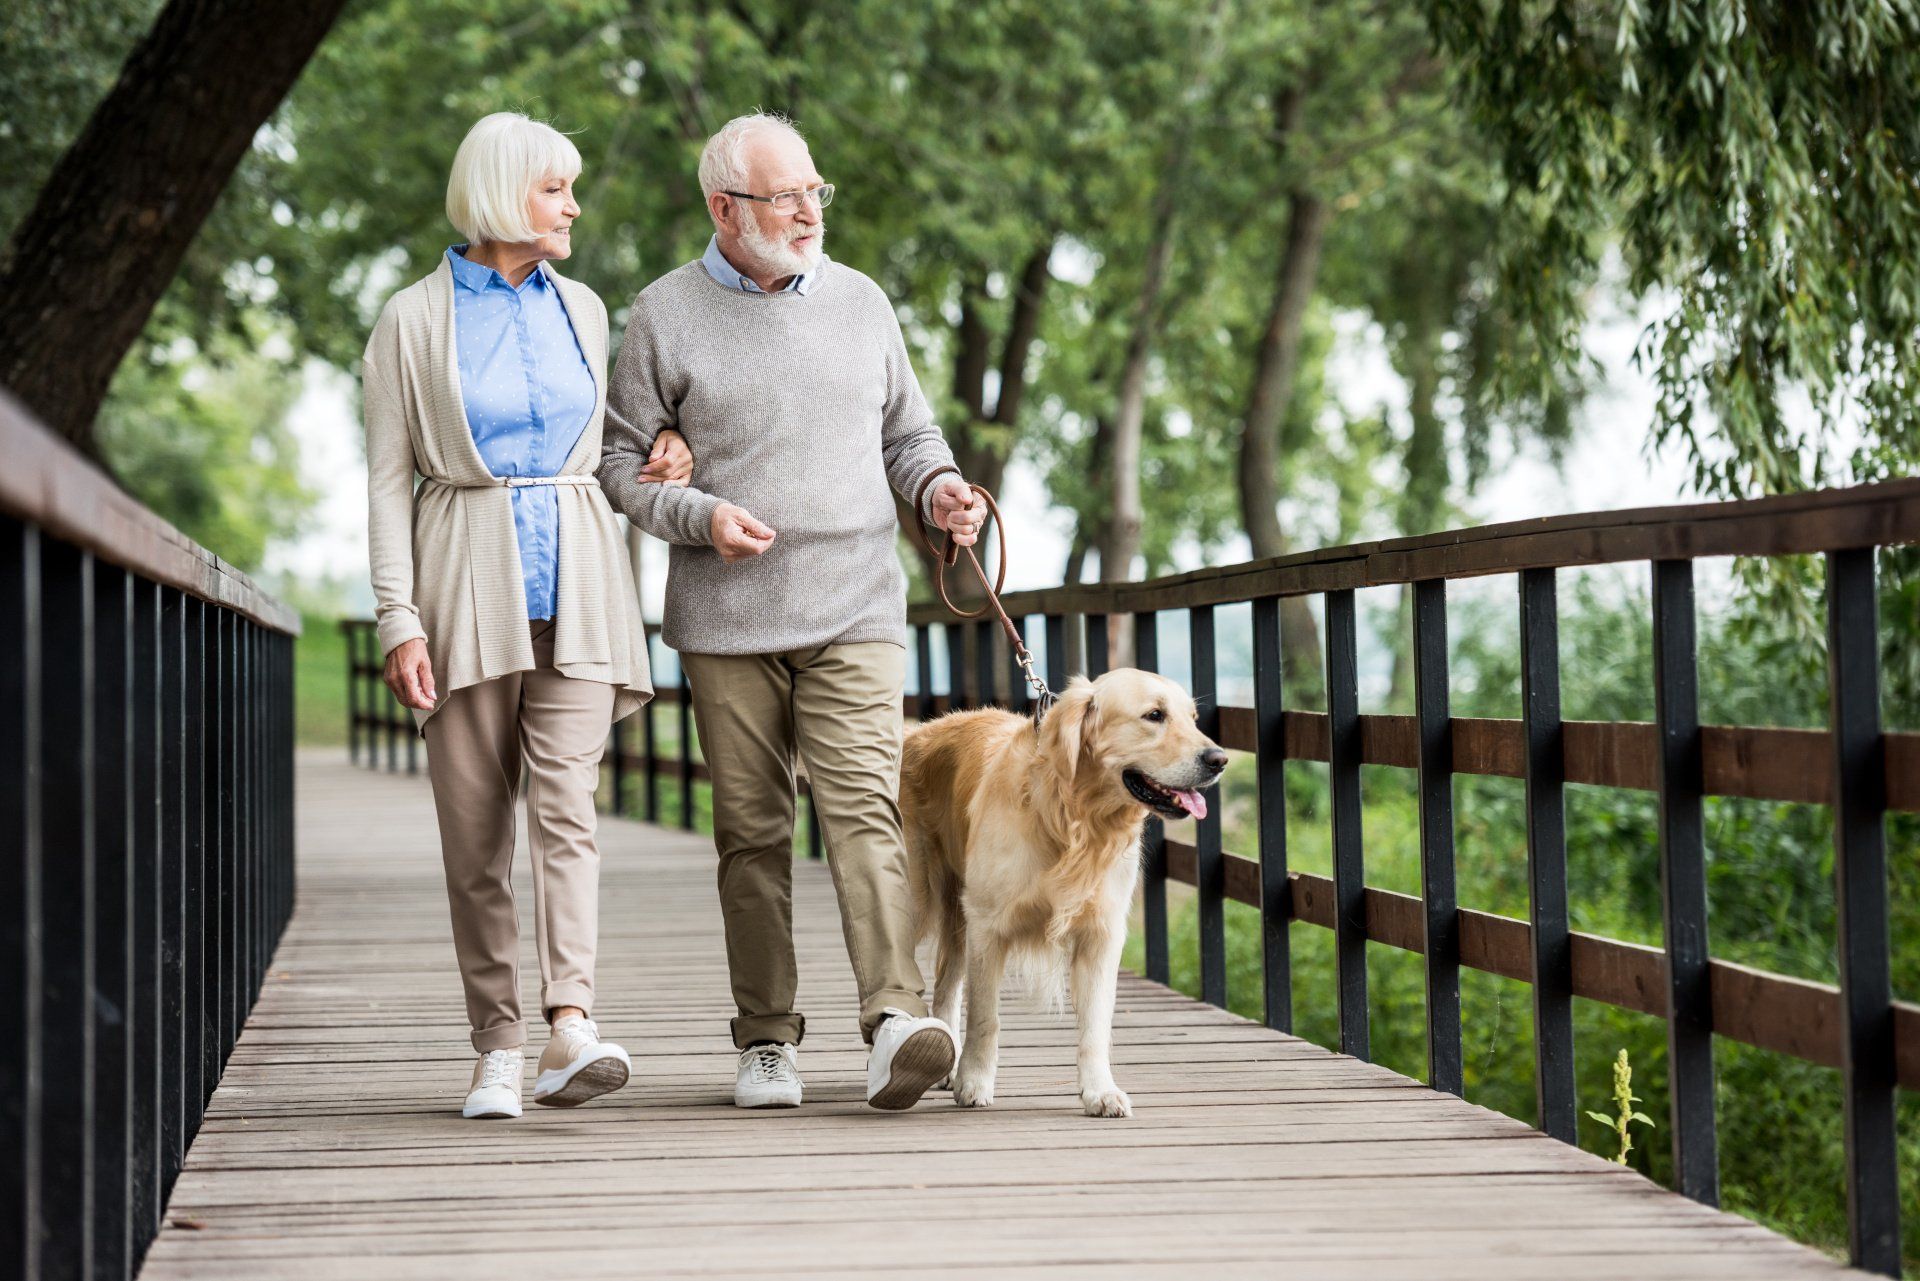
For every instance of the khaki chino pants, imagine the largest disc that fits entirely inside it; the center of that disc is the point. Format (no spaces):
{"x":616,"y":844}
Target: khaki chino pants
{"x":476,"y":744}
{"x":839,"y":707}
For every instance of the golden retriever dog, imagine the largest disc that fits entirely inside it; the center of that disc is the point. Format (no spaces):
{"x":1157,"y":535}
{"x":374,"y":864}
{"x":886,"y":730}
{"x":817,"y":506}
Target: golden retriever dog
{"x":1024,"y":845}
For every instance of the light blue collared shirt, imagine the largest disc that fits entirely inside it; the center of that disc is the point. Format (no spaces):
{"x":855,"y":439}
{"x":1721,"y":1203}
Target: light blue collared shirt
{"x":723,"y":271}
{"x":529,"y":393}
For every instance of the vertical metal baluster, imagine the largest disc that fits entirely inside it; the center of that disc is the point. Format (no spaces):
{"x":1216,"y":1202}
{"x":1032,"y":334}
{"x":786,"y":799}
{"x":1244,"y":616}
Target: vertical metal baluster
{"x":21,"y":999}
{"x":108,"y":1000}
{"x":1056,"y":625}
{"x":1210,"y":859}
{"x":1860,"y":886}
{"x":1683,"y":885}
{"x":170,"y":861}
{"x":65,"y":937}
{"x":349,"y":634}
{"x":144,"y":957}
{"x":197,"y":694}
{"x":1433,"y":717}
{"x":984,"y":666}
{"x":650,"y":744}
{"x":1547,"y":854}
{"x":1019,"y":696}
{"x":957,"y":667}
{"x":218,"y":707}
{"x":686,"y":751}
{"x":923,"y":658}
{"x":1270,"y":764}
{"x":1098,"y":645}
{"x":616,"y":757}
{"x":1349,"y":857}
{"x":1153,"y":840}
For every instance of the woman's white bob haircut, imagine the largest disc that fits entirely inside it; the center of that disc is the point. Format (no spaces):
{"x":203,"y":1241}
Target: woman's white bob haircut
{"x":499,"y":162}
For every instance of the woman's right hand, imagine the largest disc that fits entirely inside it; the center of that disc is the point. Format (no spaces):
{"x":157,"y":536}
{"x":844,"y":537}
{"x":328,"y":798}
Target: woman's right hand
{"x":410,"y":676}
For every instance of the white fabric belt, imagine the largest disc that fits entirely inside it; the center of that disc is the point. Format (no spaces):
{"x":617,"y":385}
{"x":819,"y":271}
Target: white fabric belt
{"x":575,"y":478}
{"x":520,"y":482}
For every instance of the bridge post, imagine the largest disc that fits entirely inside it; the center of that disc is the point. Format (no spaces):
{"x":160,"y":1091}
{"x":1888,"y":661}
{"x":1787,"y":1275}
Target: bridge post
{"x":1270,"y":766}
{"x":1441,"y":918}
{"x":1547,"y":855}
{"x":1868,"y":1068}
{"x":1349,"y":856}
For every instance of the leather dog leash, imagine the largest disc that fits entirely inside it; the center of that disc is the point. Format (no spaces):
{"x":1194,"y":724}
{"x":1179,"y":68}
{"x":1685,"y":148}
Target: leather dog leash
{"x":944,"y":558}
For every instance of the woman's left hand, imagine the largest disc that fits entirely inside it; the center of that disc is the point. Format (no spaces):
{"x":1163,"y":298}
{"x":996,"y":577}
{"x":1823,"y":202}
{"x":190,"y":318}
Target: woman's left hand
{"x":670,"y":462}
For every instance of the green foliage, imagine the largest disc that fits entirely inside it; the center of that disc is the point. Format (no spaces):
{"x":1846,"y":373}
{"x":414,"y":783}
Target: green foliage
{"x":202,"y":439}
{"x":1756,"y":167}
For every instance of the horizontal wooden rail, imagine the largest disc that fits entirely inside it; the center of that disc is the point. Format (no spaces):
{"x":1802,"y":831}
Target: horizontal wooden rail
{"x":1797,"y":1017}
{"x":1788,"y":524}
{"x":47,"y":483}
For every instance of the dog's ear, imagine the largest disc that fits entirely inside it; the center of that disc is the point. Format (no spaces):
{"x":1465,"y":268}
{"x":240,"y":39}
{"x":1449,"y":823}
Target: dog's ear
{"x":1066,"y":734}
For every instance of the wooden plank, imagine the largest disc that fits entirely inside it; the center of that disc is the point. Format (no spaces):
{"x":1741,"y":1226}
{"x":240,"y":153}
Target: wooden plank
{"x":333,"y":1147}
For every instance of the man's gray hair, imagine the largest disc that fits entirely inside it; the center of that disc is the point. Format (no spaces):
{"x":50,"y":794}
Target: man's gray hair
{"x":723,"y":164}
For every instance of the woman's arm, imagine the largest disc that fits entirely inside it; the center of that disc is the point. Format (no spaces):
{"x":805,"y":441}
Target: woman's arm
{"x":390,"y":473}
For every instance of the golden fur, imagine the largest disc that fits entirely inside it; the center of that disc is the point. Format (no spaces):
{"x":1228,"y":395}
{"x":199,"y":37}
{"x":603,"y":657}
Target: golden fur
{"x":1024,"y":843}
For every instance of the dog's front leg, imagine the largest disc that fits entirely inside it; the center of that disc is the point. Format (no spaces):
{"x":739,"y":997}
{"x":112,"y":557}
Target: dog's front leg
{"x":1096,"y":971}
{"x":973,"y":1078}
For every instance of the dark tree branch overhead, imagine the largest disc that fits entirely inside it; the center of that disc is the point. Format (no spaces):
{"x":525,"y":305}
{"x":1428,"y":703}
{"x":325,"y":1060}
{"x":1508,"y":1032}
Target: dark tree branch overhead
{"x":106,"y":235}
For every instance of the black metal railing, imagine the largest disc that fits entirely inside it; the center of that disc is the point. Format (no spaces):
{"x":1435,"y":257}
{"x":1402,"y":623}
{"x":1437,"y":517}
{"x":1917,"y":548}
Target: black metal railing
{"x":380,"y":732}
{"x":1855,"y":767}
{"x":146,"y":788}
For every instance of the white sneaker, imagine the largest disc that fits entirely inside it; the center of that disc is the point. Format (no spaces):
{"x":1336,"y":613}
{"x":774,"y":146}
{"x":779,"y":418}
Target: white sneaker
{"x":769,"y":1077}
{"x":495,"y":1089}
{"x":577,"y":1065}
{"x":909,"y":1055}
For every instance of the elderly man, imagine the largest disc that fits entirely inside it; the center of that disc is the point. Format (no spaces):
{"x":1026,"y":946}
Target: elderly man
{"x":788,"y":376}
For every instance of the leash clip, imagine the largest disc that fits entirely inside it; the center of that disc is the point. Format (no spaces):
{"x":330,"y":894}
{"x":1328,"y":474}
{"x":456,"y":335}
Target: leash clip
{"x":945,"y":557}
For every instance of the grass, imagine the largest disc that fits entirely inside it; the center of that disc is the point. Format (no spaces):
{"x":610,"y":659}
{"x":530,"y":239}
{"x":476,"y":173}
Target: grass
{"x":320,"y":683}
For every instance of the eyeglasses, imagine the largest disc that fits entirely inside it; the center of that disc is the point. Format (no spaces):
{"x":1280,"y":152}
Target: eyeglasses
{"x":787,"y":201}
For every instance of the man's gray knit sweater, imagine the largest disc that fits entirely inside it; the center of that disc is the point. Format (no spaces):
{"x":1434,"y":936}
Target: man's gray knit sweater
{"x":801,"y":409}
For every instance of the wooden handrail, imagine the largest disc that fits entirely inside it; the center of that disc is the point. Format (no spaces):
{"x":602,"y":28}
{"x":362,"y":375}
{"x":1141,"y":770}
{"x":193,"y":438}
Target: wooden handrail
{"x":48,"y":483}
{"x":1786,"y":524}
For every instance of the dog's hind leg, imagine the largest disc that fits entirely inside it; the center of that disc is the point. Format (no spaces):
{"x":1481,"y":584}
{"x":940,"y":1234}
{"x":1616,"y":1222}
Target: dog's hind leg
{"x":950,"y":960}
{"x":973,"y":1078}
{"x":1096,"y":972}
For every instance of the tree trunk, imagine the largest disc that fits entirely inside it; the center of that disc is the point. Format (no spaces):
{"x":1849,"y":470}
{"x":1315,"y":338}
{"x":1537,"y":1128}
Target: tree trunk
{"x":1120,"y":540}
{"x":1275,"y":367}
{"x":107,"y":233}
{"x":1425,"y":494}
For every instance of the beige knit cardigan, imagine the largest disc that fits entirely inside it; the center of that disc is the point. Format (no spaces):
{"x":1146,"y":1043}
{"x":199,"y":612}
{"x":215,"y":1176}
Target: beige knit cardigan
{"x":444,"y":556}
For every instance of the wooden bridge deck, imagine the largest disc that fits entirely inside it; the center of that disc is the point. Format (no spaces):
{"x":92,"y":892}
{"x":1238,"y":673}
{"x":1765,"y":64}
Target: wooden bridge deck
{"x":334,"y":1146}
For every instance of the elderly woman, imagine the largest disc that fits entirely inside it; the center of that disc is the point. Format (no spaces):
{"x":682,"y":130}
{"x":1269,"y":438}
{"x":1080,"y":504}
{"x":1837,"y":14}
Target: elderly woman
{"x":505,"y":598}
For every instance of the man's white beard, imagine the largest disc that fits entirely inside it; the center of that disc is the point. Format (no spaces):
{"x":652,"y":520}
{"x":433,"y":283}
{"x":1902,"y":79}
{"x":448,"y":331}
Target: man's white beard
{"x":779,"y":257}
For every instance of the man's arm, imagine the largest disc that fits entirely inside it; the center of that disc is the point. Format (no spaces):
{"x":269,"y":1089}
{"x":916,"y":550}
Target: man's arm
{"x":639,"y":407}
{"x":910,"y":442}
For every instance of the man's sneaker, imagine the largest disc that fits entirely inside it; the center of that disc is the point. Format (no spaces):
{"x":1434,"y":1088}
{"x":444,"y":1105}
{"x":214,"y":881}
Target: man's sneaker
{"x":909,"y":1055}
{"x":577,"y":1065}
{"x":769,"y":1077}
{"x":495,"y":1089}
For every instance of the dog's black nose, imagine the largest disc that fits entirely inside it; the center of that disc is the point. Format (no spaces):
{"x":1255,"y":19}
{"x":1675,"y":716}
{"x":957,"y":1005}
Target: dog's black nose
{"x":1214,"y":759}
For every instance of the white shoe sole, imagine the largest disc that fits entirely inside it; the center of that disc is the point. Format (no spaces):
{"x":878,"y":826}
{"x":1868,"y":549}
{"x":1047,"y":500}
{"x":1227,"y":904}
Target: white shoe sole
{"x":490,"y":1111}
{"x":766,"y":1097}
{"x":922,"y":1059}
{"x":574,"y":1084}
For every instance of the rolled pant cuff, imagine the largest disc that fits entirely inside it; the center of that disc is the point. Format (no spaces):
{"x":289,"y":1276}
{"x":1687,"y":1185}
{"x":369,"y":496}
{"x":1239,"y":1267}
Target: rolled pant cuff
{"x":875,"y":1008}
{"x":566,"y":992}
{"x":787,"y":1029}
{"x":503,"y":1036}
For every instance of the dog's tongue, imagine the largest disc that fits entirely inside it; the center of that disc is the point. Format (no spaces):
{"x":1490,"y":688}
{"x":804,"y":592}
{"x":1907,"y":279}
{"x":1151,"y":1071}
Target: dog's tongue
{"x":1192,"y":802}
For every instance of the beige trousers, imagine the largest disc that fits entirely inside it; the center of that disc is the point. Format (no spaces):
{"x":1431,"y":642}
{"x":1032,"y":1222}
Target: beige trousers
{"x":839,"y":707}
{"x":477,"y":743}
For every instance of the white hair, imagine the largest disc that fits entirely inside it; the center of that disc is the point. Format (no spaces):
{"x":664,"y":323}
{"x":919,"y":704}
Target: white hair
{"x":723,"y":163}
{"x":500,"y":160}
